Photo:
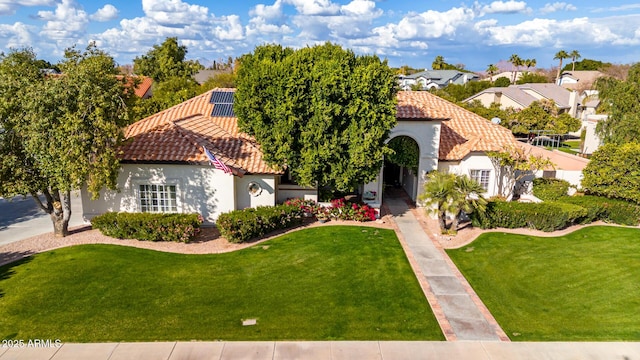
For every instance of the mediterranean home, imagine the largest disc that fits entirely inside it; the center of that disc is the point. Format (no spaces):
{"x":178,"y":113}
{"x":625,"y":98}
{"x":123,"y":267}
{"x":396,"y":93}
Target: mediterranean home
{"x":435,"y":79}
{"x":521,"y":96}
{"x":579,"y":80}
{"x":193,"y":158}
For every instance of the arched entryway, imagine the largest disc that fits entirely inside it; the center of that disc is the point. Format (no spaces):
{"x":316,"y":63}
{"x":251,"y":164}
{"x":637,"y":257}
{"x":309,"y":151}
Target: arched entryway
{"x":400,"y":172}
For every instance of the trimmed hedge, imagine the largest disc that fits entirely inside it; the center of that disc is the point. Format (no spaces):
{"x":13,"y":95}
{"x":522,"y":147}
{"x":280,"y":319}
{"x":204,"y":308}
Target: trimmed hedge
{"x":242,"y":225}
{"x":547,"y":216}
{"x":609,"y":210}
{"x":550,"y":189}
{"x":148,"y":226}
{"x":555,"y":215}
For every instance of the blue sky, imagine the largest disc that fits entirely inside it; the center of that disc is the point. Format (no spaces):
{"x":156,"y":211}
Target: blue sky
{"x":474,"y":33}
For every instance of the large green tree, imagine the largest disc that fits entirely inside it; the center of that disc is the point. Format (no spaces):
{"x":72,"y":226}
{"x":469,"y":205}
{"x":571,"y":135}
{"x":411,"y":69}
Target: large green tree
{"x":620,"y":99}
{"x":542,"y":115}
{"x":165,"y":61}
{"x":321,"y":111}
{"x":614,"y":171}
{"x":58,"y":133}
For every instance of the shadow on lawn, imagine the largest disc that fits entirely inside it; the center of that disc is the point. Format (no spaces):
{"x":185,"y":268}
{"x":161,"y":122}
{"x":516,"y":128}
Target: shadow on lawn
{"x":16,"y":259}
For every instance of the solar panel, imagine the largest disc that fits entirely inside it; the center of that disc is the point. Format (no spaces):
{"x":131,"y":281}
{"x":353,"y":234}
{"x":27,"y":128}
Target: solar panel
{"x":222,"y":103}
{"x":222,"y":97}
{"x":224,"y":110}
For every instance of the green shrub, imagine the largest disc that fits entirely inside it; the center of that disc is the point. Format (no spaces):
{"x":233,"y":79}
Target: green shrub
{"x":148,"y":226}
{"x":547,"y":216}
{"x":550,"y":189}
{"x":241,"y":225}
{"x":610,"y":210}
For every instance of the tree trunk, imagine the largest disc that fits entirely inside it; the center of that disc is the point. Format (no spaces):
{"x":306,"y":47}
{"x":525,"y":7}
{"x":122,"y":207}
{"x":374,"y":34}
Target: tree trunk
{"x":61,"y":213}
{"x":58,"y":206}
{"x":442,"y":218}
{"x":454,"y":223}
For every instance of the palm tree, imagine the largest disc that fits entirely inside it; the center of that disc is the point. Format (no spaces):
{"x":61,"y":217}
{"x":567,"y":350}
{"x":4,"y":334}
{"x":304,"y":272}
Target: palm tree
{"x":467,"y":198}
{"x":516,"y":61}
{"x":529,"y":63}
{"x":438,"y":63}
{"x":574,"y":56}
{"x":438,"y":194}
{"x":492,"y":70}
{"x":560,"y":55}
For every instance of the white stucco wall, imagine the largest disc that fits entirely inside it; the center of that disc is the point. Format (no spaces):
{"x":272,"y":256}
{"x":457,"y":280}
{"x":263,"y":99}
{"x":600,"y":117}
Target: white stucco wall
{"x":266,"y":197}
{"x":201,"y":189}
{"x":289,"y":191}
{"x":427,"y":136}
{"x":473,"y":161}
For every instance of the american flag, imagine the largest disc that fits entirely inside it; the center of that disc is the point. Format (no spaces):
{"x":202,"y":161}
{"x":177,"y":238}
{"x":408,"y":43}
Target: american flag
{"x":215,"y":162}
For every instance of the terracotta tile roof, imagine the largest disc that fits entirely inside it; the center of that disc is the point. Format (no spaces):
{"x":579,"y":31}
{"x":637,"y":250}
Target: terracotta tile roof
{"x":178,"y":134}
{"x":144,"y":86}
{"x":418,"y":105}
{"x":462,"y":132}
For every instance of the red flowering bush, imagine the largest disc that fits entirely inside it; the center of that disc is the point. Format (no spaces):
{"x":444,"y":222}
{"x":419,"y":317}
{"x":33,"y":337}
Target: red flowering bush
{"x":342,"y":210}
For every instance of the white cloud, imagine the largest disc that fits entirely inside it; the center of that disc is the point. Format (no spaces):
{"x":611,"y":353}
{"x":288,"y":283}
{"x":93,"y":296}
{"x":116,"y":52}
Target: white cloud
{"x":174,"y":12}
{"x":18,"y":35}
{"x":557,"y":6}
{"x":106,"y":13}
{"x":267,"y":11}
{"x":67,"y":23}
{"x":433,"y":24}
{"x":548,"y":32}
{"x":314,"y":7}
{"x":360,"y":8}
{"x":506,"y":7}
{"x":231,"y":29}
{"x":9,"y":7}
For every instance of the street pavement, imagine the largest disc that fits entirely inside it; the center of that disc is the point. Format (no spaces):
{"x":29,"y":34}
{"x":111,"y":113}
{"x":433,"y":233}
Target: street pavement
{"x":21,"y":218}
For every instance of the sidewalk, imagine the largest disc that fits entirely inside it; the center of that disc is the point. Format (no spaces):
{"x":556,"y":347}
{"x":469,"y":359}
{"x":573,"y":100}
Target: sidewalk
{"x":330,"y":350}
{"x":459,"y":311}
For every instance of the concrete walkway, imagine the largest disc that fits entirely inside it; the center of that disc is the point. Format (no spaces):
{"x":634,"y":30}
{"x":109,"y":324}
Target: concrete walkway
{"x":459,"y":311}
{"x":330,"y":350}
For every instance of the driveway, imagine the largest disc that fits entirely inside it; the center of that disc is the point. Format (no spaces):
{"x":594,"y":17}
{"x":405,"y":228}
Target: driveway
{"x":21,"y":218}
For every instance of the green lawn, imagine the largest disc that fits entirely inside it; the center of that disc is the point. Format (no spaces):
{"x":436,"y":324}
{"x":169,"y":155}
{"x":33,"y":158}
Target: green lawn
{"x":582,"y":286}
{"x":333,"y":282}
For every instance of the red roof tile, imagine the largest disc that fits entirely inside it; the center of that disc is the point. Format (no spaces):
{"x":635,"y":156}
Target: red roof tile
{"x":462,"y":132}
{"x":178,"y":133}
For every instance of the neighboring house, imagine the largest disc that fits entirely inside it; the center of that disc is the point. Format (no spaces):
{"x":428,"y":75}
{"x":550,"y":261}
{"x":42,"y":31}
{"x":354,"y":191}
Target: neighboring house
{"x":203,"y":75}
{"x":506,"y":74}
{"x":165,"y":167}
{"x":591,"y":141}
{"x":144,"y":87}
{"x":521,"y":96}
{"x":435,"y":79}
{"x":579,"y":80}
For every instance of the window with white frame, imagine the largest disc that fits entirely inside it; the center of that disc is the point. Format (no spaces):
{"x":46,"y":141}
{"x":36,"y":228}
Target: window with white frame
{"x":158,"y":198}
{"x":482,"y":177}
